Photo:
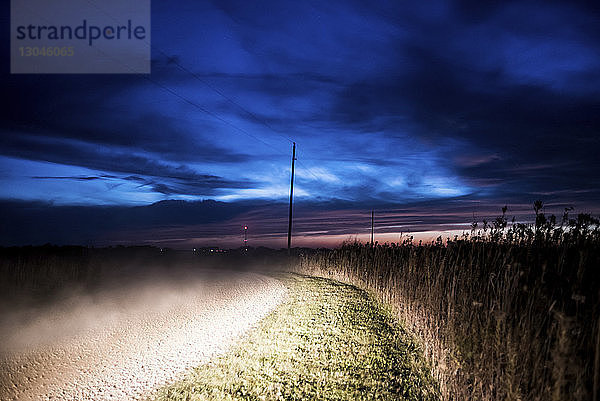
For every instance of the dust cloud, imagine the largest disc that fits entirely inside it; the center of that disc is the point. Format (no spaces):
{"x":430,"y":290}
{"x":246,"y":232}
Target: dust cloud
{"x":127,"y":333}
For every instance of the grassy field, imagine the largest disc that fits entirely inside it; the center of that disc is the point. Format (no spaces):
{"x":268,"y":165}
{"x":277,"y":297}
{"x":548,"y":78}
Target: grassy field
{"x":328,"y":341}
{"x":507,"y":312}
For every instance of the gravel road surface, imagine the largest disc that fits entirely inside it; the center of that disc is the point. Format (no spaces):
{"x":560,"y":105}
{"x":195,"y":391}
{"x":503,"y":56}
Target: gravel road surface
{"x":121,"y":344}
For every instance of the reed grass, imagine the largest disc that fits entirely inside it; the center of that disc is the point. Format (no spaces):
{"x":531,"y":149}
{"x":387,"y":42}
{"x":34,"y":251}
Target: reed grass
{"x":508,"y":311}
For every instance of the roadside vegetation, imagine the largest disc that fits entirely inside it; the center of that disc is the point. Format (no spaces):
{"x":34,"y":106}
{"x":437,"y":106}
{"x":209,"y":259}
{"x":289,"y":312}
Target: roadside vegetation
{"x":509,"y":311}
{"x":327,"y":341}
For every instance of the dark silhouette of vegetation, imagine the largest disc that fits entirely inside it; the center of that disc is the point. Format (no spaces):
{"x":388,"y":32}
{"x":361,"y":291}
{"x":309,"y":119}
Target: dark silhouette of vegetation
{"x":35,"y":275}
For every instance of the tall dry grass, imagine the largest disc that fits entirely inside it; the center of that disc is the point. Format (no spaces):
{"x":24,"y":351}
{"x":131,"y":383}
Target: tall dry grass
{"x":508,"y":312}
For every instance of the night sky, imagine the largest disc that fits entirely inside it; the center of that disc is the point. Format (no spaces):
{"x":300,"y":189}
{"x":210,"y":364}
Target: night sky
{"x":432,"y":113}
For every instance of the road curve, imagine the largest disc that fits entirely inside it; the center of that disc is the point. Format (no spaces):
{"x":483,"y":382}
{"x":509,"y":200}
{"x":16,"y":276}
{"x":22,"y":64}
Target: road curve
{"x":127,"y":342}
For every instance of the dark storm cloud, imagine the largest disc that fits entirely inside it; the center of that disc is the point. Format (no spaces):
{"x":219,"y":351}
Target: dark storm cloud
{"x":69,"y":152}
{"x":65,"y":106}
{"x":80,"y":178}
{"x":510,"y":120}
{"x":504,"y":131}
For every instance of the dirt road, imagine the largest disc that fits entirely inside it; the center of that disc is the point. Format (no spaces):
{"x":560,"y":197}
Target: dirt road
{"x":124,"y":343}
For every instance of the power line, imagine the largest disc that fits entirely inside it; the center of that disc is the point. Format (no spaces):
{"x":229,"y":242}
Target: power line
{"x":307,"y":168}
{"x":225,"y":96}
{"x":229,"y":99}
{"x":216,"y":90}
{"x":196,"y":76}
{"x":191,"y":102}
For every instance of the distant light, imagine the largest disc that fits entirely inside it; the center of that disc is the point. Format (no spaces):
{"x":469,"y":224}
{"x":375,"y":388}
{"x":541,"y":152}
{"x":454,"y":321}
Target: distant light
{"x":245,"y":227}
{"x":194,"y":249}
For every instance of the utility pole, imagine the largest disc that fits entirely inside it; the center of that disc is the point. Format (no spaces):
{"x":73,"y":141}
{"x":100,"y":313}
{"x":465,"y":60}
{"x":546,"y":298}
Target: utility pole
{"x":246,"y":238}
{"x":291,"y":201}
{"x":372,"y":227}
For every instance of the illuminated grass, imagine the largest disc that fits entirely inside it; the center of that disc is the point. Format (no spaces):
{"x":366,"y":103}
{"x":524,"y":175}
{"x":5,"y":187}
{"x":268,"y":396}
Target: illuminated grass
{"x":328,"y":341}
